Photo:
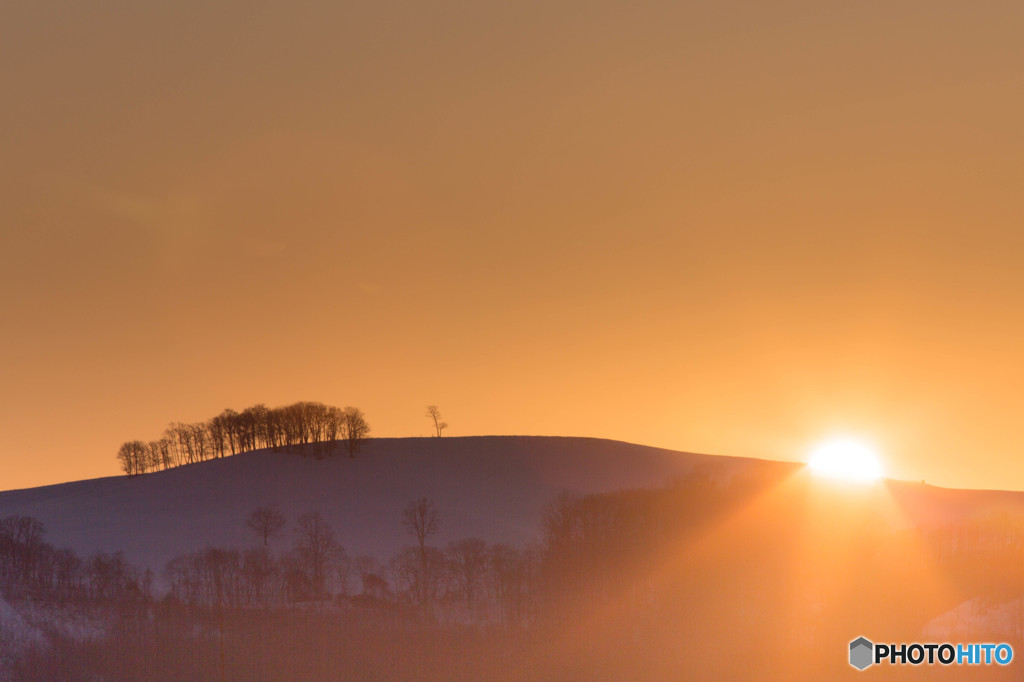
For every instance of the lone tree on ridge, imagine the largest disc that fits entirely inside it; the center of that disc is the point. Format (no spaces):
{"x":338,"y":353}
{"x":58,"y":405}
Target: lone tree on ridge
{"x":435,"y":415}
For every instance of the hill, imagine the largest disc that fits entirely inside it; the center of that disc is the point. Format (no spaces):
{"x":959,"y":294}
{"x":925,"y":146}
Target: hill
{"x":494,"y":487}
{"x":651,"y":579}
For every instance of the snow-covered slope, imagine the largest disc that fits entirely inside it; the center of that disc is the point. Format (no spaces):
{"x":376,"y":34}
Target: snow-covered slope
{"x":15,"y":631}
{"x":490,"y":487}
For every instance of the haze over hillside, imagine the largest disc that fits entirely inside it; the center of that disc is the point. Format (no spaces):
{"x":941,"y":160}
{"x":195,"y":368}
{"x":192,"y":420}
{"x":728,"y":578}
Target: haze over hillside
{"x":677,"y":545}
{"x":493,"y":487}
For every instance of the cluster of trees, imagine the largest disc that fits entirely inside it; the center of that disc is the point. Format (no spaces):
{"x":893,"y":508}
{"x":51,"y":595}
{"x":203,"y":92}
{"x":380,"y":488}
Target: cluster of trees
{"x":465,"y":581}
{"x":257,"y":577}
{"x":32,"y":568}
{"x":254,"y":428}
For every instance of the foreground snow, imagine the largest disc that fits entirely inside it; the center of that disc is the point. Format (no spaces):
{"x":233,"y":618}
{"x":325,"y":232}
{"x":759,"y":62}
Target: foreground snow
{"x":977,"y":620}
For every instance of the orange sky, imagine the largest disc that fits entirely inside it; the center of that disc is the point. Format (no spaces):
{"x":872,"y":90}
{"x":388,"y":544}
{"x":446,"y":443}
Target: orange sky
{"x":723,"y":227}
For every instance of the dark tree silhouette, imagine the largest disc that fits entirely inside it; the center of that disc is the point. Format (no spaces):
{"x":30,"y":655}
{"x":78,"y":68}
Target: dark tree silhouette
{"x":467,"y":564}
{"x":316,"y":549}
{"x":435,"y":415}
{"x":254,"y":428}
{"x":421,"y":521}
{"x":134,"y":457}
{"x":216,"y":431}
{"x":355,"y":428}
{"x":266,"y":522}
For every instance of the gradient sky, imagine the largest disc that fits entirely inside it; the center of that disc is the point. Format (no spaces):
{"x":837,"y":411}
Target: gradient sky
{"x":726,"y":227}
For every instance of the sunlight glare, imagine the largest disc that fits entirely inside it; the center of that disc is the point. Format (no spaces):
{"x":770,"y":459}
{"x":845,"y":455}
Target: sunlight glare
{"x":847,"y":459}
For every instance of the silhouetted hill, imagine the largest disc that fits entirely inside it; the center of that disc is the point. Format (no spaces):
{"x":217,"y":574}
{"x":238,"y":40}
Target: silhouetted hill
{"x":494,"y":487}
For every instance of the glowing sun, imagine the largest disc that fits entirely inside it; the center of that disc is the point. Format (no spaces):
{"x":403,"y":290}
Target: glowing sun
{"x":846,"y":459}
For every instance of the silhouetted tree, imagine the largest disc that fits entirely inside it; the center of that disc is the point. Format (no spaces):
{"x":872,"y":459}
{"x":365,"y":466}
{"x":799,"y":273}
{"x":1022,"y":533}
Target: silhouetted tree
{"x":153,"y":456}
{"x":175,"y":448}
{"x":316,"y":549}
{"x":435,"y":415}
{"x":467,"y":564}
{"x":211,"y":577}
{"x":260,"y":572}
{"x":181,"y":435}
{"x":249,"y":422}
{"x":334,"y":423}
{"x":134,"y":457}
{"x":200,"y":442}
{"x":111,"y":577}
{"x":511,"y":575}
{"x":420,"y":575}
{"x":355,"y":428}
{"x":217,"y":432}
{"x":420,"y":519}
{"x":166,"y":457}
{"x":266,"y":522}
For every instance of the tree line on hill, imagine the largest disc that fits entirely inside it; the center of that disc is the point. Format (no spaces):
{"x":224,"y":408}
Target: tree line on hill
{"x":254,"y":428}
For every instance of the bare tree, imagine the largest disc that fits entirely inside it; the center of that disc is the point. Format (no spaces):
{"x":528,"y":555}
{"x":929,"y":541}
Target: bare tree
{"x":255,"y":418}
{"x":258,"y":570}
{"x":217,"y":432}
{"x":420,"y":519}
{"x":435,"y":415}
{"x":166,"y":457}
{"x":153,"y":456}
{"x":266,"y":522}
{"x":422,"y":578}
{"x":175,"y":449}
{"x":467,"y":563}
{"x":334,"y":424}
{"x":200,"y":441}
{"x":134,"y":457}
{"x":406,"y":571}
{"x":316,"y":549}
{"x":512,"y":573}
{"x":355,"y":428}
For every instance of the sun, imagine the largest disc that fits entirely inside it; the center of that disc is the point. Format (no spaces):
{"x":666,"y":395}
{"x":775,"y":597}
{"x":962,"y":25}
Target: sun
{"x":847,"y":459}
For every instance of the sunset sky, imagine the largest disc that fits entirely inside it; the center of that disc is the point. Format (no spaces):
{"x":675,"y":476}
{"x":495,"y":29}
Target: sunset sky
{"x":736,"y":228}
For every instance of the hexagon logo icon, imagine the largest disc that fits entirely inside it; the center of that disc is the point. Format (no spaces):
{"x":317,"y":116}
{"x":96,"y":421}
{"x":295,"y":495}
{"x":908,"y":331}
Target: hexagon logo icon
{"x":861,"y":651}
